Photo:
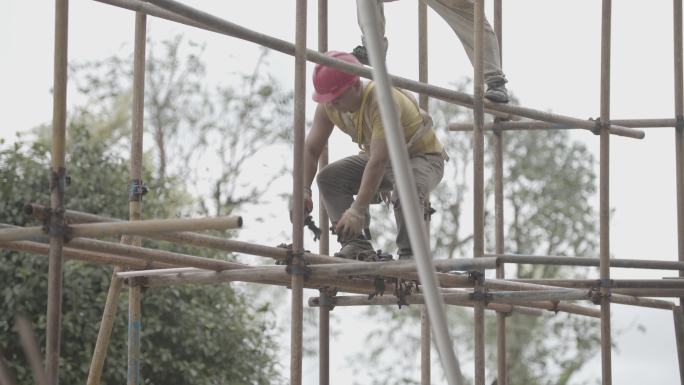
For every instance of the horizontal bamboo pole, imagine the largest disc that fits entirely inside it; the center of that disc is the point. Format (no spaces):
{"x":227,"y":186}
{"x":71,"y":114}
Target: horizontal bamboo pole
{"x":206,"y":21}
{"x":156,"y":272}
{"x":86,"y":256}
{"x":139,"y":227}
{"x":500,"y":284}
{"x":613,"y":283}
{"x":533,"y":125}
{"x":650,"y":292}
{"x":272,"y":275}
{"x":146,"y":254}
{"x":587,"y":261}
{"x":194,"y":239}
{"x":538,"y":295}
{"x":415,"y":299}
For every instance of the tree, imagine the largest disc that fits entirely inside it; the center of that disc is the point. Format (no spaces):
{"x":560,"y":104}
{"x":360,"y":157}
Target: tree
{"x":200,"y":335}
{"x":213,"y":131}
{"x":204,"y":335}
{"x":549,"y":183}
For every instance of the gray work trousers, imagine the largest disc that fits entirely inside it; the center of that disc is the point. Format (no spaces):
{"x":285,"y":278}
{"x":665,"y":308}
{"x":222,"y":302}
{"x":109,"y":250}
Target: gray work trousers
{"x":339,"y":181}
{"x":460,"y":15}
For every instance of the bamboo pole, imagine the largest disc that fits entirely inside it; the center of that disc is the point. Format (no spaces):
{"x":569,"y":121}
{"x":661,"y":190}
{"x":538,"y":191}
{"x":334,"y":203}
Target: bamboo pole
{"x":604,"y":195}
{"x":57,"y":187}
{"x":675,"y":283}
{"x":134,"y":327}
{"x":134,"y":373}
{"x":85,"y":256}
{"x":297,"y":263}
{"x":189,"y":238}
{"x":405,"y":184}
{"x":324,"y":241}
{"x":533,"y":125}
{"x":6,"y":376}
{"x":150,"y":226}
{"x":31,"y":349}
{"x":478,"y":184}
{"x":424,"y":104}
{"x":417,"y":299}
{"x":502,"y":377}
{"x":587,"y":261}
{"x":215,"y":24}
{"x":678,"y":316}
{"x":679,"y":131}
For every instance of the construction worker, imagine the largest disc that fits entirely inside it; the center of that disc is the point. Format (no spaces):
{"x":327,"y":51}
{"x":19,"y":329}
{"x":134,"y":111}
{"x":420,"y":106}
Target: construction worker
{"x":351,"y":105}
{"x":459,"y":14}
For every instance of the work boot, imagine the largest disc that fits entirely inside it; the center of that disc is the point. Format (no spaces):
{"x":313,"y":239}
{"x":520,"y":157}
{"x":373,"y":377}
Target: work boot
{"x":358,"y":248}
{"x":496,"y":89}
{"x":361,"y":54}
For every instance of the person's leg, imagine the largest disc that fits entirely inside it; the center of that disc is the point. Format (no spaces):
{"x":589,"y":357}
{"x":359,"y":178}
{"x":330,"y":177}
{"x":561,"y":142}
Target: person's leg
{"x":338,"y":182}
{"x":427,"y":171}
{"x":460,"y":15}
{"x":361,"y":52}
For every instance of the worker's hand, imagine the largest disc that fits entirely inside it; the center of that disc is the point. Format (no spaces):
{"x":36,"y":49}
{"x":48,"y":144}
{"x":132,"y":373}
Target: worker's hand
{"x":308,"y":203}
{"x":352,"y":222}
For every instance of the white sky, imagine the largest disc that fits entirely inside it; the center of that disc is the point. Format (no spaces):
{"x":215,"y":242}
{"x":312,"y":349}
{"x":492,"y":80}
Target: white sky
{"x":551,"y":55}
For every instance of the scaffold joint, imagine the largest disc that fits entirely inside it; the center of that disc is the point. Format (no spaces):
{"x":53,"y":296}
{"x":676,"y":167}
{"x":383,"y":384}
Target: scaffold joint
{"x":596,"y":296}
{"x":379,"y":284}
{"x":326,"y":298}
{"x":54,"y":225}
{"x":296,"y":264}
{"x":555,"y":306}
{"x":679,"y":125}
{"x":597,"y":126}
{"x":477,"y":277}
{"x":136,"y":190}
{"x":481,"y":295}
{"x":403,"y":289}
{"x":605,"y":282}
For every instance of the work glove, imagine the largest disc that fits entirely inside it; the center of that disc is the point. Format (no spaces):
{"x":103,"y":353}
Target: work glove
{"x":308,"y":203}
{"x":352,"y":222}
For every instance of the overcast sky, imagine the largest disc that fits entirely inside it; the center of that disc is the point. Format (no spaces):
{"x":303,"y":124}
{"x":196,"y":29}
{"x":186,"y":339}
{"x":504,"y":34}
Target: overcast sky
{"x":551,"y":53}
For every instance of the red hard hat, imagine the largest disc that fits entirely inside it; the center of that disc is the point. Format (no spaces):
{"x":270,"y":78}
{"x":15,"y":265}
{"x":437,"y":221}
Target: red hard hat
{"x":329,"y":82}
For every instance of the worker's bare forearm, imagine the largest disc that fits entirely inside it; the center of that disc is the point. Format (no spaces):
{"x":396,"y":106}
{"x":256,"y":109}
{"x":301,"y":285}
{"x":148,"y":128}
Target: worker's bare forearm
{"x":372,"y":176}
{"x":310,"y":165}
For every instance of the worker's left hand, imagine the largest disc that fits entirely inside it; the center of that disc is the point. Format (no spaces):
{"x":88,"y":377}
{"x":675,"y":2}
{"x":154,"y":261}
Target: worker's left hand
{"x":352,"y":222}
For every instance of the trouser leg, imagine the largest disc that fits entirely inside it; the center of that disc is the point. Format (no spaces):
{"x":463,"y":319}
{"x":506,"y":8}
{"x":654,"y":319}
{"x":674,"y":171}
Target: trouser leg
{"x":381,"y":24}
{"x":460,"y":15}
{"x":427,"y":171}
{"x":338,"y":182}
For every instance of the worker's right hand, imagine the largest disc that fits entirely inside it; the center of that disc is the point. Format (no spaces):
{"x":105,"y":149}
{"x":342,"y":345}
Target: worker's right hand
{"x":308,"y":202}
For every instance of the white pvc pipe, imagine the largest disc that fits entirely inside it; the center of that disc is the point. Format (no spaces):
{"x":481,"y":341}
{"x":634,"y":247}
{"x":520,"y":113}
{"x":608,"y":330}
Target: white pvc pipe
{"x":407,"y":193}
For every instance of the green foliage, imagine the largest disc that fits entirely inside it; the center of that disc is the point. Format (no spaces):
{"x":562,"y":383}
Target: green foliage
{"x":191,"y":334}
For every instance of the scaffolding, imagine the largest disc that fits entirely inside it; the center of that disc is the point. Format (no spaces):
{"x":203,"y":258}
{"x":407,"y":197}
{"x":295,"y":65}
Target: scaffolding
{"x":436,"y":283}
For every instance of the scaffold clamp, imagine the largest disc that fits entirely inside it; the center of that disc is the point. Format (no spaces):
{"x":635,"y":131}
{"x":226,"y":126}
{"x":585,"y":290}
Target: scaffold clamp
{"x":379,"y":284}
{"x":326,"y":298}
{"x":481,"y":295}
{"x":136,"y":190}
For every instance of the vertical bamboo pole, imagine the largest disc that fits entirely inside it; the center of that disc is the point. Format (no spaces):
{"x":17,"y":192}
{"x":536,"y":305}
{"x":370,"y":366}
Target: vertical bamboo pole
{"x":407,"y":192}
{"x":324,"y":242}
{"x":57,"y":187}
{"x":679,"y":130}
{"x":502,"y":377}
{"x":679,"y":169}
{"x":135,"y":210}
{"x":478,"y":183}
{"x":298,"y":181}
{"x":604,"y":204}
{"x":423,"y":102}
{"x":679,"y":338}
{"x":135,"y":201}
